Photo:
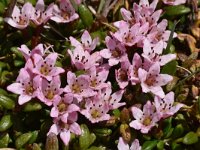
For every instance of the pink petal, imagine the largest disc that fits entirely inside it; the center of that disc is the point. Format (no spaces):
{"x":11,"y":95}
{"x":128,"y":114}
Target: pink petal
{"x":23,"y":99}
{"x":65,"y":137}
{"x":75,"y":128}
{"x":16,"y":88}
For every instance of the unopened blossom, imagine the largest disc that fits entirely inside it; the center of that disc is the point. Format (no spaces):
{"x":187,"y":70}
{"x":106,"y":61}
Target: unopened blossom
{"x":155,"y":54}
{"x":144,"y":119}
{"x":83,"y":59}
{"x":174,"y":2}
{"x":27,"y":53}
{"x":115,"y":51}
{"x":87,"y":43}
{"x":96,"y":109}
{"x":65,"y":129}
{"x":46,"y":67}
{"x":64,"y":13}
{"x":152,"y":80}
{"x":122,"y":145}
{"x":166,"y":106}
{"x":20,"y":18}
{"x":98,"y":76}
{"x":121,"y":74}
{"x":133,"y":69}
{"x":63,"y":107}
{"x":50,"y":91}
{"x":26,"y":86}
{"x":131,"y":35}
{"x":78,"y":86}
{"x":41,"y":16}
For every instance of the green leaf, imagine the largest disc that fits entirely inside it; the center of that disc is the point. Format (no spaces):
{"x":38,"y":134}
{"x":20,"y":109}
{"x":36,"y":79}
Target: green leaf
{"x":97,"y":148}
{"x":178,"y":131}
{"x":167,"y":126}
{"x":32,"y":106}
{"x":103,"y":132}
{"x":170,"y":68}
{"x":22,"y":140}
{"x":176,"y":10}
{"x":190,"y":138}
{"x":86,"y":139}
{"x":4,"y":140}
{"x":85,"y":15}
{"x":52,"y":142}
{"x":5,"y":123}
{"x":6,"y":102}
{"x":160,"y":145}
{"x":149,"y":145}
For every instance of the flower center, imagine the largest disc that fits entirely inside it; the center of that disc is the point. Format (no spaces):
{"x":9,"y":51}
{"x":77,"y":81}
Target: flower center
{"x":95,"y":113}
{"x":50,"y":94}
{"x":116,"y":53}
{"x":62,"y":107}
{"x":44,"y":69}
{"x":29,"y":89}
{"x":21,"y":21}
{"x":76,"y":88}
{"x":147,"y":121}
{"x":123,"y":75}
{"x":150,"y":81}
{"x":93,"y":83}
{"x":65,"y":15}
{"x":129,"y":38}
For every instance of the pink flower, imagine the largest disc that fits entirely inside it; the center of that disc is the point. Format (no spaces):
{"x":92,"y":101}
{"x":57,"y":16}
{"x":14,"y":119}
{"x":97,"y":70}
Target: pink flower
{"x":65,"y":129}
{"x":46,"y":67}
{"x":115,"y":52}
{"x":65,"y":13}
{"x":166,"y":106}
{"x":159,"y":33}
{"x":152,"y":81}
{"x":98,"y":76}
{"x":130,"y":36}
{"x":145,"y":119}
{"x":155,"y":54}
{"x":27,"y":53}
{"x":40,"y":14}
{"x":26,"y":86}
{"x":78,"y":86}
{"x":82,"y":59}
{"x":86,"y":42}
{"x":63,"y":107}
{"x":121,"y":74}
{"x":174,"y":2}
{"x":133,"y":69}
{"x":96,"y":109}
{"x":122,"y":145}
{"x":112,"y":100}
{"x":20,"y":18}
{"x":50,"y":91}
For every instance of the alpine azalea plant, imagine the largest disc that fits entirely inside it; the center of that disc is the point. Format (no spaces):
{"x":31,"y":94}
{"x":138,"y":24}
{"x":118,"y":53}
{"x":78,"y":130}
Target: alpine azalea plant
{"x":114,"y":82}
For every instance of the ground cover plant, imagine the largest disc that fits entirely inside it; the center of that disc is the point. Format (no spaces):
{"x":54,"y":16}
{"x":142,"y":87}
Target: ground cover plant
{"x":99,"y":74}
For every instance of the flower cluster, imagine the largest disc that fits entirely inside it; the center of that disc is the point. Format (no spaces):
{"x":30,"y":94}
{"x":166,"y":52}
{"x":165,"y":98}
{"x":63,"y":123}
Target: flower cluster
{"x":88,"y":91}
{"x":40,"y":14}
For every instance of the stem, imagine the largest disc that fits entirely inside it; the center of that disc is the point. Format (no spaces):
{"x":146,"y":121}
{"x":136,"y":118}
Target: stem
{"x":184,"y":69}
{"x":101,"y":5}
{"x":182,"y":81}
